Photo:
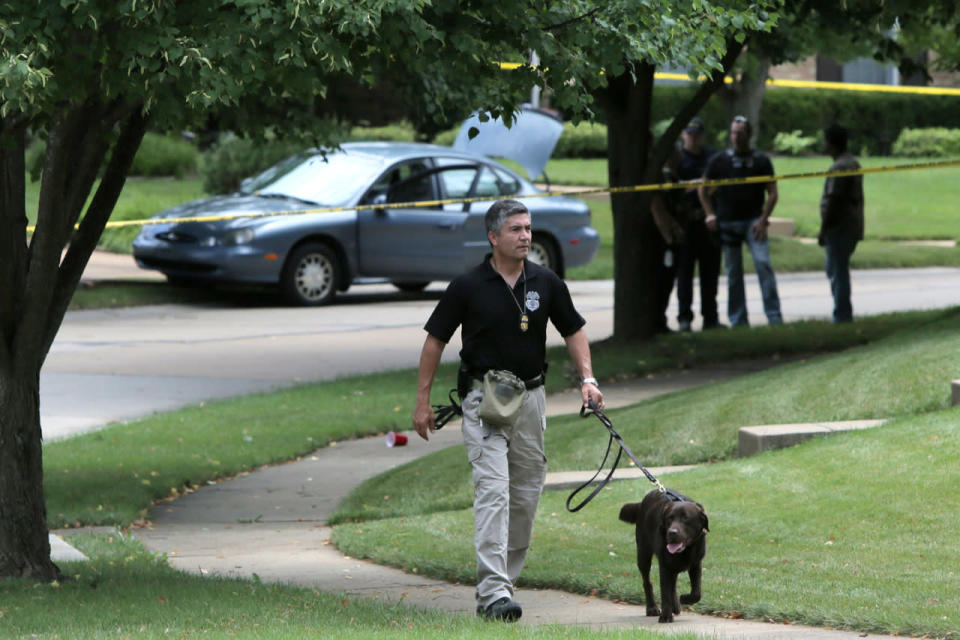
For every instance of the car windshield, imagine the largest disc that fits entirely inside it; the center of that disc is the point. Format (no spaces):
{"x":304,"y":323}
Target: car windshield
{"x":332,"y":180}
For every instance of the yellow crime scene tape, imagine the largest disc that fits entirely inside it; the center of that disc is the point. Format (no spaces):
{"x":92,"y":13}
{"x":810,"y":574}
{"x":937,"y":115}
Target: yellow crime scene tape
{"x":421,"y":204}
{"x":805,"y":84}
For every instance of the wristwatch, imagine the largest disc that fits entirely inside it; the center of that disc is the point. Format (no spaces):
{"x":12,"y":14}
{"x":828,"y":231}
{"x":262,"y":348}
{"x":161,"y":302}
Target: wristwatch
{"x":592,"y":381}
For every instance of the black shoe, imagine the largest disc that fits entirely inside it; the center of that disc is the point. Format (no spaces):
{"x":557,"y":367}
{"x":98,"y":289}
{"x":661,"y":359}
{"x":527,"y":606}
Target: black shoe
{"x":503,"y":609}
{"x":707,"y":326}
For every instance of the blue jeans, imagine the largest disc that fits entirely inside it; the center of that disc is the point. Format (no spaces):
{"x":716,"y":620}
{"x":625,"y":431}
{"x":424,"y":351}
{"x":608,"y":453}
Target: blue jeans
{"x":733,"y":234}
{"x":838,"y":248}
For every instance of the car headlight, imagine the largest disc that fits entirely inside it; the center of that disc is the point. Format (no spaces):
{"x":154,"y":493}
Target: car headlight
{"x":237,"y":236}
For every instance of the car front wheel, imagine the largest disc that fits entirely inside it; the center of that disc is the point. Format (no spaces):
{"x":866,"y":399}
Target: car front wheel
{"x":543,"y":253}
{"x":310,"y":275}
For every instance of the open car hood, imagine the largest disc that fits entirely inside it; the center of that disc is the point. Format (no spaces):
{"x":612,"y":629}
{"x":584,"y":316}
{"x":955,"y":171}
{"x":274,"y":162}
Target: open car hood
{"x":529,"y":142}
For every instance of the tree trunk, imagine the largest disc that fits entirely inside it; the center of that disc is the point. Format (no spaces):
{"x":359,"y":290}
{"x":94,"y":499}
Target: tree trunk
{"x":24,"y":540}
{"x":35,"y":289}
{"x":627,"y":101}
{"x":745,"y":96}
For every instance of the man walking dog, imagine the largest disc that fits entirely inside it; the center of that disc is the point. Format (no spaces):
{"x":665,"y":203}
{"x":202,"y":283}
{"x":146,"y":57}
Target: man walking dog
{"x":502,"y":307}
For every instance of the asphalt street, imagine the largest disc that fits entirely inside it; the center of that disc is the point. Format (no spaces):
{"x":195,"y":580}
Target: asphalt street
{"x":116,"y":365}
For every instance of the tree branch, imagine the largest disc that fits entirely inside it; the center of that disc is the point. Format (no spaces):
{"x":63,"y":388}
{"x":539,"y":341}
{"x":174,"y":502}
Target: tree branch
{"x":91,"y":227}
{"x":567,"y":23}
{"x":75,"y":149}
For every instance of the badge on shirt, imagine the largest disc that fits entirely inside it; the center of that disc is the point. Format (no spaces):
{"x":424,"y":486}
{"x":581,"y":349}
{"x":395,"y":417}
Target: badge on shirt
{"x":533,"y":300}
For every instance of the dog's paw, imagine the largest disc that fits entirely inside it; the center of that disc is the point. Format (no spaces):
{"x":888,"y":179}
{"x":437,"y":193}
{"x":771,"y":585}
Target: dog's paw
{"x":653,"y":611}
{"x":690,"y":598}
{"x":666,"y":617}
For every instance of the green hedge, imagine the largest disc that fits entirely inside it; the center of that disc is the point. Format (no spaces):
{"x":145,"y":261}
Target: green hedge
{"x":159,"y":155}
{"x":583,"y":140}
{"x":165,"y":155}
{"x":400,"y":132}
{"x":233,"y":158}
{"x":874,"y":119}
{"x":936,"y":142}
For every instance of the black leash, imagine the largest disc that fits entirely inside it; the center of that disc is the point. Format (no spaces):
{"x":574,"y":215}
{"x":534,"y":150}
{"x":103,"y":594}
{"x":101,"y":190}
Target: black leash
{"x":585,"y":412}
{"x":444,"y":413}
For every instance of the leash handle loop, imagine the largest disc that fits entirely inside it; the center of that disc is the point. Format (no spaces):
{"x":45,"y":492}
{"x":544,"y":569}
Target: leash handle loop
{"x":602,"y":483}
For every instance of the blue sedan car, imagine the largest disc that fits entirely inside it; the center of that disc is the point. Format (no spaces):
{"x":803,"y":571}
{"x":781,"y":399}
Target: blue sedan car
{"x":312,"y":256}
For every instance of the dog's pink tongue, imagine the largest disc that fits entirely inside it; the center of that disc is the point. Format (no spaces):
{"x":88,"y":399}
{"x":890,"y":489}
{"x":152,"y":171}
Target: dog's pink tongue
{"x":675,"y":547}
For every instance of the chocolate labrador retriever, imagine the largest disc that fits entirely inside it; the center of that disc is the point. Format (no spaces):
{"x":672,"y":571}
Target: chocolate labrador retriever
{"x":674,"y":531}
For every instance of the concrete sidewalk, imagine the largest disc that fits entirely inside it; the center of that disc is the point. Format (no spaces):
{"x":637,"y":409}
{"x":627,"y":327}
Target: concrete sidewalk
{"x":271,"y":523}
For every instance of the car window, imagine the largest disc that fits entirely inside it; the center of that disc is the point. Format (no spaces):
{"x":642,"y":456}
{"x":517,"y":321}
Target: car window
{"x":396,"y":182}
{"x":457,"y":182}
{"x":488,"y":186}
{"x":508,"y":184}
{"x":331,"y":180}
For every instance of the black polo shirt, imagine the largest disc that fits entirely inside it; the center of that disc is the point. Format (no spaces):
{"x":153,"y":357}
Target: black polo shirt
{"x":691,"y":167}
{"x":488,"y":312}
{"x":739,"y":201}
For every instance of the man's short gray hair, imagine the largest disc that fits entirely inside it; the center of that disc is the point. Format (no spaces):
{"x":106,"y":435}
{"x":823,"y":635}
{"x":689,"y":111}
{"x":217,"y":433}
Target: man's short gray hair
{"x":498,"y":213}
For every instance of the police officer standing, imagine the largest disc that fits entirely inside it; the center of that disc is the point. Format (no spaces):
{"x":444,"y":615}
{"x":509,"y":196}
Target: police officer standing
{"x":502,"y":307}
{"x":701,"y":245}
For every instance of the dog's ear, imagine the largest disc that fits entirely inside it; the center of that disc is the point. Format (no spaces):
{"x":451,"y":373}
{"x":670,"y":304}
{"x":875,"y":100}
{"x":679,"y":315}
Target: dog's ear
{"x":630,"y":512}
{"x":703,"y":517}
{"x":667,"y":510}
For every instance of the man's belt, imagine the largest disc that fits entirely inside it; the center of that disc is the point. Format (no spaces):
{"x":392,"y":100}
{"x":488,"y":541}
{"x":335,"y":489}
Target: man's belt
{"x":444,"y":413}
{"x":532,"y":383}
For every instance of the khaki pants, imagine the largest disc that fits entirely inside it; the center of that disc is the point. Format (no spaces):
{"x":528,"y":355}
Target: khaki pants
{"x":509,"y":469}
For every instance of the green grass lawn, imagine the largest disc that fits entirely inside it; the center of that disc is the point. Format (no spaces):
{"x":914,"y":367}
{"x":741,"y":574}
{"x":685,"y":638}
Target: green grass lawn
{"x":127,"y":592}
{"x":902,"y":368}
{"x":852,"y":531}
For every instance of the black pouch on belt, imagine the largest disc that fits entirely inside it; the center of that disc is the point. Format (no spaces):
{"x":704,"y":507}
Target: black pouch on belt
{"x":464,"y":382}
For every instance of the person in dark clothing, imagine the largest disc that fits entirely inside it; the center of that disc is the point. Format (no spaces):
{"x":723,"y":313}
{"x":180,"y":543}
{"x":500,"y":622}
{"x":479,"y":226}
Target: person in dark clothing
{"x":701,"y":245}
{"x":841,"y":220}
{"x":667,"y":210}
{"x":742,"y":215}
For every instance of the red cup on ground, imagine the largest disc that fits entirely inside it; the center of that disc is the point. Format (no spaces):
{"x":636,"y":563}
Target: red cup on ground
{"x":395,"y":439}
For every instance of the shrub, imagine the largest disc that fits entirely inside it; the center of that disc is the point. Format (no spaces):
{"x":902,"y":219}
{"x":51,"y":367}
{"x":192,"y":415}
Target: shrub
{"x":233,"y":158}
{"x":930,"y":142}
{"x":164,"y":155}
{"x":447,"y":138}
{"x":793,"y":143}
{"x":874,"y":119}
{"x":583,"y":140}
{"x":400,"y":132}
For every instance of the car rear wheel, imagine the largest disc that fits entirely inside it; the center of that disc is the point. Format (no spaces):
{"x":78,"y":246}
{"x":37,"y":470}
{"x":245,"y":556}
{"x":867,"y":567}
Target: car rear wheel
{"x":543,"y":252}
{"x":310,"y":275}
{"x":411,"y":287}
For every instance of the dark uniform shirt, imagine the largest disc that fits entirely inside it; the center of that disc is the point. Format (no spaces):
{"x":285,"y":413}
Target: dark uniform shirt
{"x":739,"y":201}
{"x":691,"y":167}
{"x":481,"y":302}
{"x":841,"y":206}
